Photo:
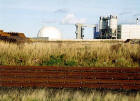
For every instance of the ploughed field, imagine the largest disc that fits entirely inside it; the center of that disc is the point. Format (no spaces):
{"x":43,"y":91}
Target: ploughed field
{"x":72,"y":77}
{"x":70,"y":53}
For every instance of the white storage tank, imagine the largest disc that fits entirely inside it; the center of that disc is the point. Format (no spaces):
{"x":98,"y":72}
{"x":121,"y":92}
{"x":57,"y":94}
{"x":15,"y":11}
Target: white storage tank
{"x":52,"y":33}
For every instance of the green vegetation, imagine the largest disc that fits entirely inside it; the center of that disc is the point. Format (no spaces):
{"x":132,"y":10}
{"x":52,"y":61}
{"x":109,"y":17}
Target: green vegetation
{"x":66,"y":95}
{"x":89,"y":54}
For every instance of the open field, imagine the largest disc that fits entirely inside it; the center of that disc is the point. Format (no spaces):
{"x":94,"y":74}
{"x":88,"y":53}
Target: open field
{"x":81,"y":54}
{"x":46,"y":94}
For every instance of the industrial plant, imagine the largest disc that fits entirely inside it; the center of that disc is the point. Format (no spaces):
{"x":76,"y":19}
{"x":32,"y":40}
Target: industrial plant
{"x":108,"y":28}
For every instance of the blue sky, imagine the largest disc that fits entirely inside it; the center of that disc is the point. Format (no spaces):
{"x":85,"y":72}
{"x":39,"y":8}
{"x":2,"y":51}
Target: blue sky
{"x":29,"y":16}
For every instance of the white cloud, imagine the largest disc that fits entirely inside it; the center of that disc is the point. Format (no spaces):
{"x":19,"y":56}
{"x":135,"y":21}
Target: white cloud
{"x":72,"y":19}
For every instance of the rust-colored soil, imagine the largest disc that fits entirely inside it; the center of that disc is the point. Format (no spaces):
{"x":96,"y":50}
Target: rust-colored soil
{"x":70,"y":77}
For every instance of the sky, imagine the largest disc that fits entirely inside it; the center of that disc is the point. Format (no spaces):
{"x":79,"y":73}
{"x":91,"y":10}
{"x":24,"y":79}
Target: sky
{"x":29,"y":16}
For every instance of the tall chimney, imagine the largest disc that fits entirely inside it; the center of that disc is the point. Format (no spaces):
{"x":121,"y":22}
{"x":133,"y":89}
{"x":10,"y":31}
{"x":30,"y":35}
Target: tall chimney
{"x":137,"y":21}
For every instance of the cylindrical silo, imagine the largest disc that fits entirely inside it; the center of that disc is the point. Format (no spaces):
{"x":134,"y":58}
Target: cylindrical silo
{"x":100,"y":23}
{"x":113,"y":23}
{"x":103,"y":24}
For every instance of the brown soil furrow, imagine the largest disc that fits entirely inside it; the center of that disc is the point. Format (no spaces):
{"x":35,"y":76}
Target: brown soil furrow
{"x":70,"y":77}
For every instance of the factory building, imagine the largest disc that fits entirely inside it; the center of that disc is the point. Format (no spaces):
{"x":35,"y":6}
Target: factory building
{"x":108,"y":28}
{"x":96,"y":32}
{"x":129,"y":32}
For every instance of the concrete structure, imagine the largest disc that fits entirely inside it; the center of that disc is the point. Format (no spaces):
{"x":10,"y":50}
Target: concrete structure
{"x":103,"y":23}
{"x":80,"y":28}
{"x":103,"y":26}
{"x":79,"y":31}
{"x":50,"y":33}
{"x":108,"y":27}
{"x":129,"y":31}
{"x":113,"y":24}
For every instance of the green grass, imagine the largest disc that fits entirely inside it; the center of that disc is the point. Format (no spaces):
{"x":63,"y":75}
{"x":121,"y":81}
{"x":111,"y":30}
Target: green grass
{"x":89,"y":54}
{"x":66,"y":95}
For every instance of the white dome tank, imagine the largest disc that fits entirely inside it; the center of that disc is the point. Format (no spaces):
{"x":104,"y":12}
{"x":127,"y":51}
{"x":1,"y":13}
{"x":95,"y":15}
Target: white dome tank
{"x":52,"y":33}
